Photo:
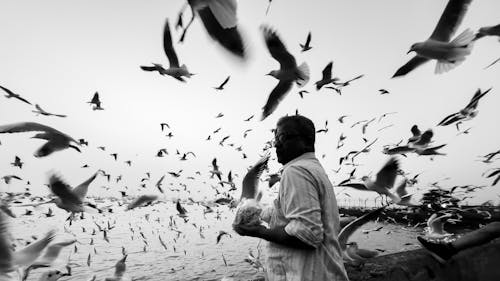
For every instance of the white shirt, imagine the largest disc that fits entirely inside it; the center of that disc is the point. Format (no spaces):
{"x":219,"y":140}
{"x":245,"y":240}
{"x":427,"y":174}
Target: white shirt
{"x":307,"y":208}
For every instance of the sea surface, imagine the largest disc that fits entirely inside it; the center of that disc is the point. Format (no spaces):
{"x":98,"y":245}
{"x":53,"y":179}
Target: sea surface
{"x":190,"y":252}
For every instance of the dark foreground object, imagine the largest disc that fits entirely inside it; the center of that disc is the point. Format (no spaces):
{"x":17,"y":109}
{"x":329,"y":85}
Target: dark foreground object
{"x":478,"y":263}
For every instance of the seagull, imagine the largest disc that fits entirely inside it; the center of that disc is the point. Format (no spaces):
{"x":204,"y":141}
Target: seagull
{"x":120,"y":268}
{"x":495,"y":173}
{"x":435,"y":226}
{"x":71,"y":200}
{"x":7,"y":179}
{"x":96,"y":102}
{"x":141,"y":201}
{"x":488,"y":31}
{"x":221,"y":86}
{"x":220,"y":21}
{"x":10,"y":94}
{"x":174,"y":70}
{"x":448,"y":54}
{"x":51,"y":253}
{"x":383,"y":91}
{"x":17,"y":162}
{"x":182,"y":211}
{"x":215,"y":170}
{"x":350,"y":250}
{"x":470,"y":111}
{"x":327,"y":77}
{"x":163,"y":125}
{"x":29,"y":254}
{"x":250,"y":182}
{"x":403,"y":194}
{"x":288,"y":73}
{"x":307,"y":45}
{"x":43,"y":112}
{"x":56,"y":140}
{"x":384,"y":180}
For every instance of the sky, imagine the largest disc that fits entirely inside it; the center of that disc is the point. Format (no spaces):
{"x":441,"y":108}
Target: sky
{"x":58,"y":53}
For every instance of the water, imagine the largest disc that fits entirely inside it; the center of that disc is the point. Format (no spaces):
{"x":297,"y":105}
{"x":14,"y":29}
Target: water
{"x":191,"y":253}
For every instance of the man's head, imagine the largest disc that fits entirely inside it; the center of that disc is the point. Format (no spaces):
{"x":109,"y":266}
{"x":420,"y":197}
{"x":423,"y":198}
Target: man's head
{"x":294,"y":136}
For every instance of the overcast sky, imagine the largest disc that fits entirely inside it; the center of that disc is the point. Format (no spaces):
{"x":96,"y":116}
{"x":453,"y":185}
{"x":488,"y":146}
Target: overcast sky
{"x":58,"y":53}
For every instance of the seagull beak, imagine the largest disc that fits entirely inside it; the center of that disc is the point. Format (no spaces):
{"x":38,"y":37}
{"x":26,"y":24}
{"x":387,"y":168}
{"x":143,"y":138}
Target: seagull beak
{"x":411,"y":50}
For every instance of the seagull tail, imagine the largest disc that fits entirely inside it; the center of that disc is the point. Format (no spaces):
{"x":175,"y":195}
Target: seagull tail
{"x":462,"y":44}
{"x":302,"y":74}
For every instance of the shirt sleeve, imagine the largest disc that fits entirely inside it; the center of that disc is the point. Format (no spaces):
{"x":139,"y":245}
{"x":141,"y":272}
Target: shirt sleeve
{"x":300,"y":203}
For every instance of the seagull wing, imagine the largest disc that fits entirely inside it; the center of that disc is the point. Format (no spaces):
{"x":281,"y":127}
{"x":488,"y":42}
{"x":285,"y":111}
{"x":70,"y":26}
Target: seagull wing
{"x":450,"y":119}
{"x":387,"y":175}
{"x":415,"y":131}
{"x":349,"y":229}
{"x":225,"y":82}
{"x":15,"y":95}
{"x":52,"y":253}
{"x":27,"y":127}
{"x":450,"y":19}
{"x":425,"y":138}
{"x":180,"y":209}
{"x":358,"y":186}
{"x":475,"y":99}
{"x":6,"y":262}
{"x":308,"y":40}
{"x":225,"y":12}
{"x":168,"y":47}
{"x":95,"y":99}
{"x":401,"y":189}
{"x":83,"y":188}
{"x":229,"y":38}
{"x":63,"y":190}
{"x":148,"y":68}
{"x":415,"y":62}
{"x":277,"y":49}
{"x":30,"y":253}
{"x":327,"y":72}
{"x":251,"y":179}
{"x":277,"y":95}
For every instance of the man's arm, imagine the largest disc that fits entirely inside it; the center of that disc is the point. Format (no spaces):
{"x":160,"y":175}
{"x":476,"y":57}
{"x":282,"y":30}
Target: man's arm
{"x":277,"y":235}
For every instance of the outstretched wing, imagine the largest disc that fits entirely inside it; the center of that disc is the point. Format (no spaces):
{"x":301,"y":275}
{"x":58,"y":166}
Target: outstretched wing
{"x":277,"y":48}
{"x":168,"y":46}
{"x":349,"y":229}
{"x":450,"y":19}
{"x":415,"y":62}
{"x":277,"y":95}
{"x":251,"y":179}
{"x":387,"y":175}
{"x":82,"y":189}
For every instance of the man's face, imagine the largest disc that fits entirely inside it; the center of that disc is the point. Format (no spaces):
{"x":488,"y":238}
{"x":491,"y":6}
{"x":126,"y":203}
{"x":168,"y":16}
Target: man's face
{"x":288,"y":143}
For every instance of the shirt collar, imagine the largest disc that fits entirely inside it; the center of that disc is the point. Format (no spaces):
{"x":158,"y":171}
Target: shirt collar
{"x":307,"y":155}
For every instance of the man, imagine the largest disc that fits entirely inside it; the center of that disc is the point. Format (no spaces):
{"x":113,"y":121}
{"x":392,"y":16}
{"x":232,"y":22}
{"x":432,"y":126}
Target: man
{"x":304,"y":221}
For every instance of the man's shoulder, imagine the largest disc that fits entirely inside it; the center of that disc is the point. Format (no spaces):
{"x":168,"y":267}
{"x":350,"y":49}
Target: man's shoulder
{"x":303,"y":166}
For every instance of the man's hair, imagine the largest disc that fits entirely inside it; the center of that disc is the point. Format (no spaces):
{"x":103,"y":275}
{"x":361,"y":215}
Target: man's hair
{"x":304,"y":126}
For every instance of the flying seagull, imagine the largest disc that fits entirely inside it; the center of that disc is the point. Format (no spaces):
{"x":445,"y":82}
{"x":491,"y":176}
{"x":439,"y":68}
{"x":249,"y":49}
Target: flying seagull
{"x":288,"y":73}
{"x":56,"y":140}
{"x":174,"y":70}
{"x":71,"y":199}
{"x":10,"y":94}
{"x":488,"y":31}
{"x":327,"y":77}
{"x":96,"y":102}
{"x":307,"y":45}
{"x":438,"y":46}
{"x":220,"y":21}
{"x":221,"y":86}
{"x":251,"y":180}
{"x":383,"y":182}
{"x":43,"y":112}
{"x":470,"y":111}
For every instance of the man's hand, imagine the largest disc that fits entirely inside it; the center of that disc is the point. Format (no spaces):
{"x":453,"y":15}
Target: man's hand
{"x":249,"y":230}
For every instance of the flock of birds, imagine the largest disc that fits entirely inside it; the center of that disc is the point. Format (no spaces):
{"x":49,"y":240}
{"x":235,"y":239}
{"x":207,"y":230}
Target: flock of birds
{"x":220,"y":20}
